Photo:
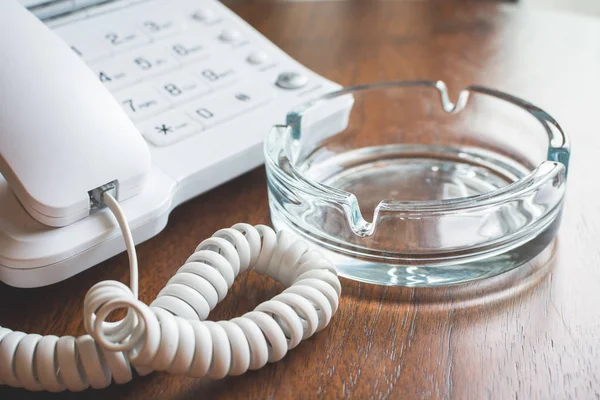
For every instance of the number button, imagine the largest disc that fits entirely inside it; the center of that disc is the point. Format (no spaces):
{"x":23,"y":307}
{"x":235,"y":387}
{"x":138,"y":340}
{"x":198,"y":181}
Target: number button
{"x":115,"y":73}
{"x":204,"y":113}
{"x":120,"y":40}
{"x":141,"y":101}
{"x":180,"y":87}
{"x":217,"y":72}
{"x":207,"y":112}
{"x":150,"y":61}
{"x":186,"y":48}
{"x":117,"y":31}
{"x":168,"y":128}
{"x":157,"y":19}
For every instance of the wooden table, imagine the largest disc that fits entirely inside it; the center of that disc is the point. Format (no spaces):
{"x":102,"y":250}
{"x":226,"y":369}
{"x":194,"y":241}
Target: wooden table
{"x":533,"y":333}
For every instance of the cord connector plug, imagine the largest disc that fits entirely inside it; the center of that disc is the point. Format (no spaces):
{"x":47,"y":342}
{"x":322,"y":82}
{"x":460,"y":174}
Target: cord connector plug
{"x":96,"y":195}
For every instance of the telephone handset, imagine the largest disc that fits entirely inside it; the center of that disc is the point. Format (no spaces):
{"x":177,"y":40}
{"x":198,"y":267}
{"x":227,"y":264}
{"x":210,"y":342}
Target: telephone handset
{"x":66,"y":149}
{"x":62,"y":133}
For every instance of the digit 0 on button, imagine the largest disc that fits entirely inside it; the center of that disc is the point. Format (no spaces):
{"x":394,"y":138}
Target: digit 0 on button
{"x":204,"y":113}
{"x":209,"y":111}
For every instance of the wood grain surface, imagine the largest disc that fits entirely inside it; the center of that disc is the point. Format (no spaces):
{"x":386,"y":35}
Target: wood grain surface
{"x":533,"y":333}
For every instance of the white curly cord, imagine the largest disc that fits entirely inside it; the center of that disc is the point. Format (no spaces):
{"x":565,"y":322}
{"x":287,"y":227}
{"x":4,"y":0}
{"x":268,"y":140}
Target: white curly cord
{"x":170,"y":334}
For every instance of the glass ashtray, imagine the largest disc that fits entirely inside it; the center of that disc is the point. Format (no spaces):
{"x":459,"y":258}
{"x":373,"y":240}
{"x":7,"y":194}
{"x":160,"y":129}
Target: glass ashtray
{"x":400,"y":186}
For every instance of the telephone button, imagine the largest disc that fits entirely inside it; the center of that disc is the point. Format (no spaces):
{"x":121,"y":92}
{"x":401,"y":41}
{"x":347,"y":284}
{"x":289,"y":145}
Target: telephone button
{"x":179,"y":87}
{"x":204,"y":15}
{"x":141,"y":101}
{"x":157,"y":19}
{"x":291,"y":80}
{"x":151,"y":61}
{"x":217,"y":71}
{"x":168,"y":128}
{"x":230,"y":36}
{"x":257,"y":57}
{"x":115,"y":73}
{"x":187,"y":47}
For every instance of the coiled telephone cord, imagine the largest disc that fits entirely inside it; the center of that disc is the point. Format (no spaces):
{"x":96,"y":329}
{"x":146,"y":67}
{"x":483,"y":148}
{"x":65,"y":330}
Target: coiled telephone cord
{"x":171,"y":334}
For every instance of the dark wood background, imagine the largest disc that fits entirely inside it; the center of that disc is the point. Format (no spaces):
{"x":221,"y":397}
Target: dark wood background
{"x":531,"y":333}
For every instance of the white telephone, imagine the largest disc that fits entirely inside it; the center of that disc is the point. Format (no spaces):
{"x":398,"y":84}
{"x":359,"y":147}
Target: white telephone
{"x":185,"y":74}
{"x":201,"y":86}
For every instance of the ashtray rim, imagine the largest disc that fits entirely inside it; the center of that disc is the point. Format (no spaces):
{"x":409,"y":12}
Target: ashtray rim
{"x":558,"y":149}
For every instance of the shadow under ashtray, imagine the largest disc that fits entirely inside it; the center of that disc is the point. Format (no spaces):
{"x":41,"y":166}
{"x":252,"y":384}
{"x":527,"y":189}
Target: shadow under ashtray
{"x":496,"y":289}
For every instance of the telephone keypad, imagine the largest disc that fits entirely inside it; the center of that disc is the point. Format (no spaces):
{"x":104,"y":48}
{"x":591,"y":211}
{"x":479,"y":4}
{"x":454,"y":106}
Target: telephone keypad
{"x":173,"y":63}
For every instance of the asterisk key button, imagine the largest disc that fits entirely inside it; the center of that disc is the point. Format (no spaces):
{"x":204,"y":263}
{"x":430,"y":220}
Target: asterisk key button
{"x":168,"y":128}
